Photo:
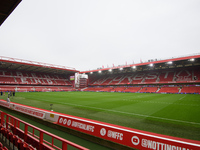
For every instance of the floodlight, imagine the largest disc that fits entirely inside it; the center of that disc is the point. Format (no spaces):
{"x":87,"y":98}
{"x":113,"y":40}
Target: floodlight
{"x":151,"y":65}
{"x":170,"y":62}
{"x":99,"y":71}
{"x":91,"y":72}
{"x":110,"y":70}
{"x":192,"y":59}
{"x":134,"y":67}
{"x":120,"y":68}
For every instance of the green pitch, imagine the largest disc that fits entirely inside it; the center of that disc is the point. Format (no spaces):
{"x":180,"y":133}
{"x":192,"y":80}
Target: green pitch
{"x":170,"y":114}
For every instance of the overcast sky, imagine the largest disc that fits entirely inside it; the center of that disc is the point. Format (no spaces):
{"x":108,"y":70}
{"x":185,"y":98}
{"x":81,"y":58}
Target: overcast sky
{"x":88,"y":34}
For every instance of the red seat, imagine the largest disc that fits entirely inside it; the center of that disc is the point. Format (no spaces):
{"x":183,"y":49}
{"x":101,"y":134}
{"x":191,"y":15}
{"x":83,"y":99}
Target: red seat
{"x":10,"y":137}
{"x":1,"y":145}
{"x":4,"y":132}
{"x":19,"y":144}
{"x":5,"y":148}
{"x":14,"y":140}
{"x":25,"y":146}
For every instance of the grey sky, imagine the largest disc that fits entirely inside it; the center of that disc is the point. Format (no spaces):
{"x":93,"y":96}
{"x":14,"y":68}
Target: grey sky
{"x":86,"y":34}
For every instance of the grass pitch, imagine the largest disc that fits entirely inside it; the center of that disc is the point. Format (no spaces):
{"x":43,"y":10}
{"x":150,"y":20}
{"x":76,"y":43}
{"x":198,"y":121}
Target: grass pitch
{"x":169,"y":114}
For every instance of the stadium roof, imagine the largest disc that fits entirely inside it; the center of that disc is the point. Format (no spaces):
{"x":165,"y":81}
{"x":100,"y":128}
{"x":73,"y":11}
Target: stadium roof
{"x":6,"y":8}
{"x":32,"y":66}
{"x":152,"y":64}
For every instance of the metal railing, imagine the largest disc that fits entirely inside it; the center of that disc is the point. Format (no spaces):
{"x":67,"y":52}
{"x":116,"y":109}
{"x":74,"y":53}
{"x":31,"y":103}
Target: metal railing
{"x":16,"y":126}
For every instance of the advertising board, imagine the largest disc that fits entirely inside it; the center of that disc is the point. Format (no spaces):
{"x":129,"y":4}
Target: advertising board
{"x":128,"y":136}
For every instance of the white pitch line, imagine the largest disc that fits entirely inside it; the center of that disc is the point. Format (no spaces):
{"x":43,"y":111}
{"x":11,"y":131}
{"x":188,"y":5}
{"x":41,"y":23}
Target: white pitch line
{"x":182,"y":97}
{"x":159,"y":102}
{"x":134,"y":114}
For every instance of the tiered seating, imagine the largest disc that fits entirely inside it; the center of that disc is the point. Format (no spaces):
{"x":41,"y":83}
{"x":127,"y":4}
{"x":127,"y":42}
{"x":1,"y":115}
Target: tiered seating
{"x":16,"y":77}
{"x":19,"y":88}
{"x":127,"y":79}
{"x":100,"y":81}
{"x":41,"y":89}
{"x":117,"y":80}
{"x":17,"y":142}
{"x":169,"y":90}
{"x":21,"y":138}
{"x":183,"y":75}
{"x":197,"y":74}
{"x":53,"y":88}
{"x":25,"y":89}
{"x":190,"y":89}
{"x":61,"y":82}
{"x":132,"y":89}
{"x":106,"y":80}
{"x":166,"y":76}
{"x":107,"y":89}
{"x":7,"y":80}
{"x":93,"y":89}
{"x":3,"y":147}
{"x":138,"y":78}
{"x":118,"y":89}
{"x":7,"y":88}
{"x":64,"y":88}
{"x":151,"y":77}
{"x":149,"y":89}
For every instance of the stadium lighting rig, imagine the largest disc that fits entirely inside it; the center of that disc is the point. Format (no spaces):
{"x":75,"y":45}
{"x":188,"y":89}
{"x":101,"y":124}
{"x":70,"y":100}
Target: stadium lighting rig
{"x":191,"y":59}
{"x":151,"y":65}
{"x":134,"y":67}
{"x":170,"y":62}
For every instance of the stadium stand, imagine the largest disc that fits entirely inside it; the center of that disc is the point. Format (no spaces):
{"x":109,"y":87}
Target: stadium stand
{"x":16,"y":77}
{"x":169,"y":90}
{"x":21,"y":88}
{"x":190,"y":89}
{"x":132,"y":89}
{"x":13,"y":80}
{"x":153,"y":77}
{"x":93,"y":89}
{"x":149,"y":89}
{"x":24,"y":81}
{"x":152,"y":81}
{"x":106,"y":89}
{"x":16,"y":137}
{"x":118,"y":89}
